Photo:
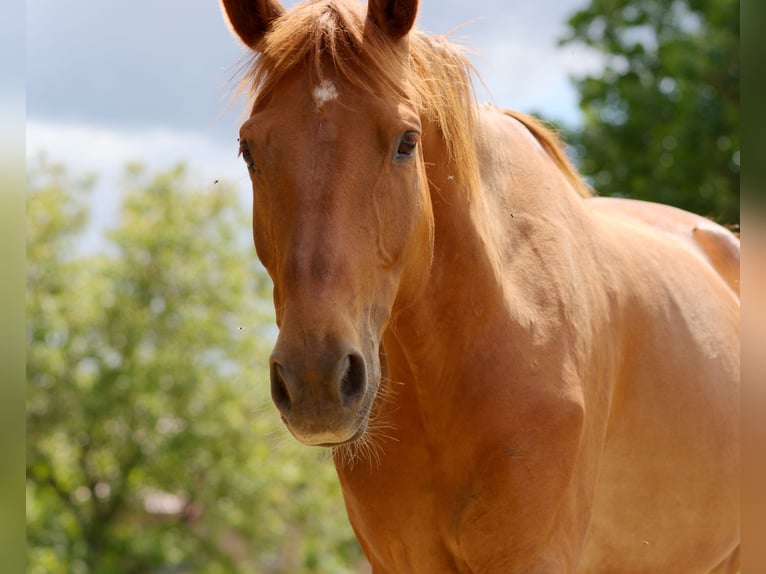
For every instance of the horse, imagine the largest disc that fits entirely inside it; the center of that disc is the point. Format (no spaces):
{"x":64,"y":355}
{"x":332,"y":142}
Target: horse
{"x":514,"y":375}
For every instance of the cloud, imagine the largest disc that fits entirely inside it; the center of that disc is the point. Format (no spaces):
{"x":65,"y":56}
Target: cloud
{"x":536,"y":76}
{"x":129,"y":64}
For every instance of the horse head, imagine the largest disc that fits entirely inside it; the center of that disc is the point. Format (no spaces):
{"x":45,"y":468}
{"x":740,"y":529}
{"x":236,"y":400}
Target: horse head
{"x":342,"y":218}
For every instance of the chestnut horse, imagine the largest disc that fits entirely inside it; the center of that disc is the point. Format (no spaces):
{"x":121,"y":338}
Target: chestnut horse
{"x":515,"y":377}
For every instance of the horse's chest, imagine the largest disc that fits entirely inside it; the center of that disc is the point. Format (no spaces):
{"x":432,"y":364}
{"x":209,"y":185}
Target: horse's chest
{"x":408,"y":520}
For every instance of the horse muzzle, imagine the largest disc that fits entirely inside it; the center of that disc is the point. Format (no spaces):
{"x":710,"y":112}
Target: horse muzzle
{"x":322,"y":392}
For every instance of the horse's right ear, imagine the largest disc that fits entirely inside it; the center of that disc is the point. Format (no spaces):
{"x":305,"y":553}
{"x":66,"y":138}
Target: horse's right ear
{"x":251,"y":19}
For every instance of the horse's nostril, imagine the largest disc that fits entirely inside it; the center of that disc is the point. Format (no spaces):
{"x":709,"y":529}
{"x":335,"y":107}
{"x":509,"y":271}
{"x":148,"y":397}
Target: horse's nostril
{"x":279,"y":393}
{"x":354,"y":379}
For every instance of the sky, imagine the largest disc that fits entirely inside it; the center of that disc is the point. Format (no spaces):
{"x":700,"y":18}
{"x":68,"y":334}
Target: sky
{"x":152,"y":80}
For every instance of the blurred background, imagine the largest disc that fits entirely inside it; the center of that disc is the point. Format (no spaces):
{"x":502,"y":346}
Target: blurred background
{"x":152,"y":445}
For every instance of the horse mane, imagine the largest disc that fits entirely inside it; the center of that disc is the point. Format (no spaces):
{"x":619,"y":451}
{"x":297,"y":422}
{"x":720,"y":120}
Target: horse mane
{"x":336,"y":34}
{"x":553,"y":145}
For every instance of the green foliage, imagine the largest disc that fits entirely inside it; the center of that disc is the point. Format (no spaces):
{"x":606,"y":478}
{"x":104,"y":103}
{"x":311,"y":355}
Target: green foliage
{"x":152,"y":445}
{"x":662,"y":121}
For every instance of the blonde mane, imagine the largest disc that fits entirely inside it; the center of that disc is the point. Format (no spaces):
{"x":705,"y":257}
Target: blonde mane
{"x":335,"y":34}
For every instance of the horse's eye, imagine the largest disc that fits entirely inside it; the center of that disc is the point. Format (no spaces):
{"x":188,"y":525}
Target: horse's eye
{"x":407,"y":145}
{"x":244,"y":151}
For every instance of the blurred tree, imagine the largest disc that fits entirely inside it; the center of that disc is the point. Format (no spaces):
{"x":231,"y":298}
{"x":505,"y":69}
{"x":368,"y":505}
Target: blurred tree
{"x":662,"y":120}
{"x":151,"y":446}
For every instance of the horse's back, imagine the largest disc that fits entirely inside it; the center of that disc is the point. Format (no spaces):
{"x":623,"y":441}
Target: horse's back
{"x":715,"y":244}
{"x":667,"y":490}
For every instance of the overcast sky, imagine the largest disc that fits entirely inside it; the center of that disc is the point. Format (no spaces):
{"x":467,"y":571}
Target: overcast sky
{"x":149,"y":80}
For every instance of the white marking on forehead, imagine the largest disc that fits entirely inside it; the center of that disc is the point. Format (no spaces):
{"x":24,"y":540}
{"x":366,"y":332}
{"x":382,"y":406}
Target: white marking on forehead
{"x":325,"y":92}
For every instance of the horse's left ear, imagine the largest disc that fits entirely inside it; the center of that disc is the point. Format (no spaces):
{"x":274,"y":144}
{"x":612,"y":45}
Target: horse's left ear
{"x":251,"y":19}
{"x":394,"y":17}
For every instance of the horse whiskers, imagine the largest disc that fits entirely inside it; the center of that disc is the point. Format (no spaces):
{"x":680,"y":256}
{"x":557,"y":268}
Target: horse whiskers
{"x":378,"y":429}
{"x":278,"y":436}
{"x":386,"y":393}
{"x":365,"y":448}
{"x":386,"y":381}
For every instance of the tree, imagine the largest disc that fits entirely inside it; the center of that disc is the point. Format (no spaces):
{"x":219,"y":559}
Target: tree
{"x":152,"y":446}
{"x":662,"y":120}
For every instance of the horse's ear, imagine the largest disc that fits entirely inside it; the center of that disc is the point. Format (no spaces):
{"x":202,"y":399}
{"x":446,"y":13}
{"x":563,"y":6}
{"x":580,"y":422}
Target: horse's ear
{"x":251,"y":19}
{"x":394,"y":17}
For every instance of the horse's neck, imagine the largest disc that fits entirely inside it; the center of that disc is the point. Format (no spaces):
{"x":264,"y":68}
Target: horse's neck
{"x":494,"y":252}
